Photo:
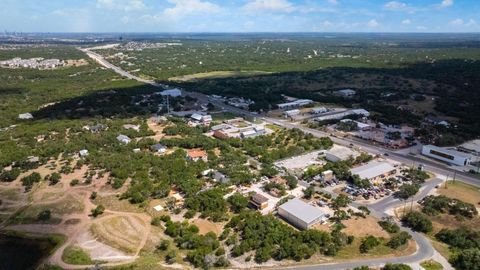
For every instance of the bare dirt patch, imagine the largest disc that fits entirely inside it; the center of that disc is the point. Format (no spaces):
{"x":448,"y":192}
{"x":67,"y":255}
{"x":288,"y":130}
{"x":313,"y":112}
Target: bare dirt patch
{"x":361,"y":227}
{"x":124,"y":233}
{"x":206,"y":226}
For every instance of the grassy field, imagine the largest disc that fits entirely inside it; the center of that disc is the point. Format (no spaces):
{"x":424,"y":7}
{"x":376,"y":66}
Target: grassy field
{"x":69,"y":205}
{"x":431,"y":265}
{"x":352,"y":251}
{"x":217,"y":74}
{"x":461,"y":191}
{"x":112,"y":202}
{"x":76,"y":255}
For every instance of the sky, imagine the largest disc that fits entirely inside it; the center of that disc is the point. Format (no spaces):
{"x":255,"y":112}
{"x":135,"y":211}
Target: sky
{"x":240,"y":15}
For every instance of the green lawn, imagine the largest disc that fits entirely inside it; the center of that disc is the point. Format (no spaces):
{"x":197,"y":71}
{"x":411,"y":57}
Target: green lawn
{"x":431,"y":265}
{"x":76,"y":255}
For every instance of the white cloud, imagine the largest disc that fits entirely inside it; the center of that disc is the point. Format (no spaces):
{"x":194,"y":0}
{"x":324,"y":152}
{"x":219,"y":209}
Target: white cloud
{"x":185,"y":7}
{"x":406,"y":22}
{"x":123,"y":5}
{"x":446,"y":3}
{"x":269,"y":5}
{"x":395,"y":5}
{"x":372,"y":23}
{"x":399,"y":6}
{"x":327,"y":23}
{"x":457,"y":22}
{"x":461,"y":22}
{"x":421,"y":28}
{"x":471,"y":22}
{"x":333,"y":2}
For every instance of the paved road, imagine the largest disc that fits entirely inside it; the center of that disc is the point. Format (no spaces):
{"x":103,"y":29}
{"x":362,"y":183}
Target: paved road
{"x":380,"y":209}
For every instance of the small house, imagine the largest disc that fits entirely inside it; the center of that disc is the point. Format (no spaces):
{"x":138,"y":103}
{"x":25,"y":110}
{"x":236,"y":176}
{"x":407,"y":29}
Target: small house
{"x":197,"y":154}
{"x":159,"y":148}
{"x":258,"y":201}
{"x":124,"y":139}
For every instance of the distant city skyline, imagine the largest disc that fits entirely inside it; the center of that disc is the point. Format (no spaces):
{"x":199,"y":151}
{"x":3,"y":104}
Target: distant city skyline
{"x":240,"y":16}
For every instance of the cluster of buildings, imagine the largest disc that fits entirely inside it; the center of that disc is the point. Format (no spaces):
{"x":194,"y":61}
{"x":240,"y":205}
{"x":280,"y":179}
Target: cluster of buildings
{"x":342,"y":114}
{"x":390,"y":136}
{"x":295,"y":104}
{"x":238,"y":128}
{"x":200,"y":119}
{"x":140,"y":46}
{"x":38,"y":63}
{"x":239,"y":102}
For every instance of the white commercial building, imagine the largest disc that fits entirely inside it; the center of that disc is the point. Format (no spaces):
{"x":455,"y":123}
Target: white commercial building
{"x":172,"y":92}
{"x":291,"y":113}
{"x":295,"y":104}
{"x":338,"y":152}
{"x":340,"y":115}
{"x":446,"y":155}
{"x":374,"y":171}
{"x":301,"y":214}
{"x":346,"y":92}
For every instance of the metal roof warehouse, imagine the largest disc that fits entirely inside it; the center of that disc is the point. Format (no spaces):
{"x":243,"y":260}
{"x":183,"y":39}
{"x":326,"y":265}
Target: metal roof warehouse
{"x":374,"y":170}
{"x":301,"y":214}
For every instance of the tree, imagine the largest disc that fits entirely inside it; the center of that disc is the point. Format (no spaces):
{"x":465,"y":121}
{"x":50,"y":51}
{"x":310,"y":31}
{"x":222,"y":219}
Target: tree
{"x":407,"y":190}
{"x":368,"y":243}
{"x":171,"y":256}
{"x":54,"y":178}
{"x":237,"y":202}
{"x":340,"y":201}
{"x":418,"y":222}
{"x":93,"y":196}
{"x":292,"y":181}
{"x":308,"y":192}
{"x":44,"y":215}
{"x":164,"y":245}
{"x":28,"y":181}
{"x":468,"y":259}
{"x":98,"y":210}
{"x":389,"y":225}
{"x":399,"y":239}
{"x":9,"y":176}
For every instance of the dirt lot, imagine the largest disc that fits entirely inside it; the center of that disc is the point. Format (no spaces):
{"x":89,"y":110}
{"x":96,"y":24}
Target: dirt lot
{"x":361,"y":227}
{"x":122,"y":232}
{"x":206,"y":226}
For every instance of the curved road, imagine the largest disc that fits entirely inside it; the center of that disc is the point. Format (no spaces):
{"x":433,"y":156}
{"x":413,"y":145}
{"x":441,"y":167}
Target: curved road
{"x":424,"y":251}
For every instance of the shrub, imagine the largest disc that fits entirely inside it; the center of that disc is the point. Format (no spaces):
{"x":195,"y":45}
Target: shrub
{"x":98,"y":210}
{"x":389,"y":225}
{"x":44,"y":215}
{"x":399,"y":240}
{"x":74,"y":182}
{"x":368,"y":243}
{"x":9,"y":176}
{"x":396,"y":266}
{"x":418,"y":222}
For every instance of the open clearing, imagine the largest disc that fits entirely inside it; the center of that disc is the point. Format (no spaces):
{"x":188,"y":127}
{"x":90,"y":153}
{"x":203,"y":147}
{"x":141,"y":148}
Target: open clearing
{"x":461,"y":191}
{"x":122,"y":232}
{"x":361,"y":227}
{"x":217,"y":74}
{"x":206,"y":226}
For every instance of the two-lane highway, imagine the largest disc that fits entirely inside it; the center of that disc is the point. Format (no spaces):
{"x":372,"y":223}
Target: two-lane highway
{"x":424,"y":248}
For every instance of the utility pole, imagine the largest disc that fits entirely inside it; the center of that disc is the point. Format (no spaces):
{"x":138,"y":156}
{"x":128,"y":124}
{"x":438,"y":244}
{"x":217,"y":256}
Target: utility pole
{"x":454,"y":175}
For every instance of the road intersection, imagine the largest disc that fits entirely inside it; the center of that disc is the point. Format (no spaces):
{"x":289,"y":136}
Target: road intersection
{"x":379,"y":209}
